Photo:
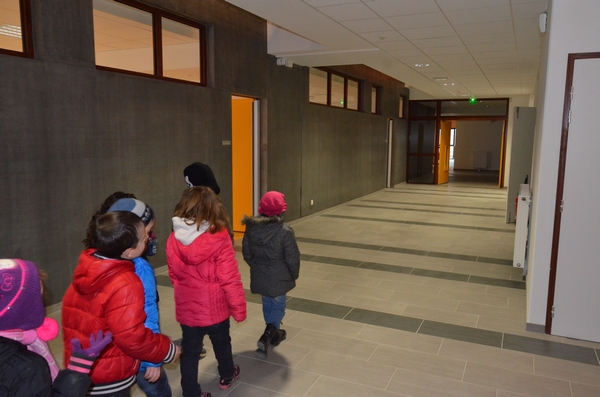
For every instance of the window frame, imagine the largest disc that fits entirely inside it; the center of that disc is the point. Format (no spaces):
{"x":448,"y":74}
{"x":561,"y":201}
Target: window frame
{"x":157,"y":15}
{"x":330,"y":73}
{"x":26,"y":33}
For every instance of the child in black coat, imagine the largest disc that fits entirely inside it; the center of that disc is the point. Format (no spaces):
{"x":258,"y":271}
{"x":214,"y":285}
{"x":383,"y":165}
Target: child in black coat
{"x":270,"y":249}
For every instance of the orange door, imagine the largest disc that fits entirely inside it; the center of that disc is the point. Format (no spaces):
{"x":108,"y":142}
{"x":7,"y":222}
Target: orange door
{"x":444,"y":153}
{"x":241,"y":167}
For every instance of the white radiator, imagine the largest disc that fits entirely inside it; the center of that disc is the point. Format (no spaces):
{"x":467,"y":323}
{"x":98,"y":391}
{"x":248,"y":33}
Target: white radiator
{"x":522,"y":227}
{"x":480,"y":160}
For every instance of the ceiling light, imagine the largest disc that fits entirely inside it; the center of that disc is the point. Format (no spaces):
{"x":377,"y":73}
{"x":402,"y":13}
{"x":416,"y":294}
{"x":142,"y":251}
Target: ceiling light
{"x":448,"y":83}
{"x":11,"y":30}
{"x":440,"y":78}
{"x":421,"y":65}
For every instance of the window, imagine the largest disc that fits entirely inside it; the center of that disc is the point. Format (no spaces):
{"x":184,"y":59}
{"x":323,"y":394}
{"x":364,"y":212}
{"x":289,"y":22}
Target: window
{"x":15,"y":28}
{"x":375,"y":99}
{"x":332,"y":89}
{"x":318,"y":86}
{"x":143,"y":40}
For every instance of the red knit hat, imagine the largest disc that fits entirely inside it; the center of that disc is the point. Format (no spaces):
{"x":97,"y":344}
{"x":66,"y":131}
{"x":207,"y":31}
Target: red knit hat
{"x":272,"y":204}
{"x":21,"y":305}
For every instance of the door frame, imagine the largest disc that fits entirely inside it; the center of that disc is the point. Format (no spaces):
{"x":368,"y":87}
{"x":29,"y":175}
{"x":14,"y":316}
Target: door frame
{"x":560,"y":183}
{"x":390,"y":135}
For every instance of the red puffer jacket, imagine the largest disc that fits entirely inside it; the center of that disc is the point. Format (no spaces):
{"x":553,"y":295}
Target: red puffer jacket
{"x":205,"y":276}
{"x":107,"y":295}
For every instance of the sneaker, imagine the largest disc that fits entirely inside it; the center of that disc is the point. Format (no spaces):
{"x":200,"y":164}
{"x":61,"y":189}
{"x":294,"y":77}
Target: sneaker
{"x":226,"y":383}
{"x":202,"y":355}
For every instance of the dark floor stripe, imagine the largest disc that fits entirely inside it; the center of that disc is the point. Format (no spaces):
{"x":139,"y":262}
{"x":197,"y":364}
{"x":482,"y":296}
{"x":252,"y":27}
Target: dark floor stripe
{"x":436,"y":205}
{"x":550,"y":349}
{"x":424,"y":210}
{"x":487,"y":229}
{"x":562,"y":351}
{"x":445,"y":194}
{"x":408,"y":251}
{"x":415,"y":271}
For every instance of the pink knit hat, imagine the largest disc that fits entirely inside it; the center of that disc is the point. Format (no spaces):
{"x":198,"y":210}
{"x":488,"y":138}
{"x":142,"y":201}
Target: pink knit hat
{"x":21,"y":305}
{"x":272,"y":204}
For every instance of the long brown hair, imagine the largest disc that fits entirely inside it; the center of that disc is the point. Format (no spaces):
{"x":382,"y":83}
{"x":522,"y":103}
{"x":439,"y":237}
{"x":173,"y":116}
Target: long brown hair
{"x":202,"y":204}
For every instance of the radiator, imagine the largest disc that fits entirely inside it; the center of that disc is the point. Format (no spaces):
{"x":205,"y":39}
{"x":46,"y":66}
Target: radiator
{"x":480,"y":160}
{"x":522,"y":227}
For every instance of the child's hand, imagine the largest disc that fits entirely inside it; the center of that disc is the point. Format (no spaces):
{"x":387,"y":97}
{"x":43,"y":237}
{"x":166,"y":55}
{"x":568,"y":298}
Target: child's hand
{"x":97,"y":344}
{"x":152,"y":374}
{"x":82,"y":359}
{"x":177,"y":353}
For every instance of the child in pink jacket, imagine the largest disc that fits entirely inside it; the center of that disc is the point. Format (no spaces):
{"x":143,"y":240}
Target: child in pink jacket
{"x":207,"y":285}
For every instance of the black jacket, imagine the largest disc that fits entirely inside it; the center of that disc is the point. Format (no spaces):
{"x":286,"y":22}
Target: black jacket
{"x":270,"y":248}
{"x":26,"y":374}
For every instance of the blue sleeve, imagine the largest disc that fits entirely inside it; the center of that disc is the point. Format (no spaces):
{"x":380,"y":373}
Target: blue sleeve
{"x":145,"y":272}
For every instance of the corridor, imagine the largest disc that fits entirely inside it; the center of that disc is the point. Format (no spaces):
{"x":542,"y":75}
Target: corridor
{"x":408,"y":291}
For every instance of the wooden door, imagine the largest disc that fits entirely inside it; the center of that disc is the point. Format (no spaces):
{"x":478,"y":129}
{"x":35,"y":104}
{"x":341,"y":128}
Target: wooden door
{"x":241,"y":161}
{"x":444,"y":153}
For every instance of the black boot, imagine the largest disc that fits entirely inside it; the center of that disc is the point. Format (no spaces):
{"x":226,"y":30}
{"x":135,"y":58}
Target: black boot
{"x":278,"y":337}
{"x":263,"y":342}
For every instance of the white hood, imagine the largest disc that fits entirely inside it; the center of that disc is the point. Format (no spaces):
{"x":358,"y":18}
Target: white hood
{"x":186,"y":233}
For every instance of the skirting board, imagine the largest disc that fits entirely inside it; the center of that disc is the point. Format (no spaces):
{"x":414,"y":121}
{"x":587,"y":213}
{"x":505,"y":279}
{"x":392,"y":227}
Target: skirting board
{"x":539,"y":328}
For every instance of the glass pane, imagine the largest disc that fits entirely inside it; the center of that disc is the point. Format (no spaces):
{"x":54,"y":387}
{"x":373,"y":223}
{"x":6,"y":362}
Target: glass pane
{"x":181,"y":51}
{"x":317,"y":86}
{"x":423,"y":109}
{"x":337,"y":91}
{"x":10,"y":25}
{"x":477,"y":107}
{"x":123,"y":37}
{"x":421,"y":137}
{"x":420,"y":169}
{"x":373,"y":100}
{"x":352,"y":95}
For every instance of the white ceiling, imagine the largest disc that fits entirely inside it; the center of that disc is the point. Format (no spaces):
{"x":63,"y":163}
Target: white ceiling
{"x":484,"y":48}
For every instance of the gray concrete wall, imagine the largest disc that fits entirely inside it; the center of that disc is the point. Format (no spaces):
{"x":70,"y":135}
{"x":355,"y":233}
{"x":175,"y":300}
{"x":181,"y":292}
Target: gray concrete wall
{"x":71,"y":135}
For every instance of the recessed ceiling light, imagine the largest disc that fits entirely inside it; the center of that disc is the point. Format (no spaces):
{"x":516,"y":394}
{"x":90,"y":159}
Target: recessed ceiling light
{"x":421,"y":65}
{"x":440,"y":78}
{"x":448,"y":83}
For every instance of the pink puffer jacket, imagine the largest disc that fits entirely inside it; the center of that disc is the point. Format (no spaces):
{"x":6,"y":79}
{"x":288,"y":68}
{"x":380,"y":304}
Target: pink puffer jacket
{"x":205,"y":275}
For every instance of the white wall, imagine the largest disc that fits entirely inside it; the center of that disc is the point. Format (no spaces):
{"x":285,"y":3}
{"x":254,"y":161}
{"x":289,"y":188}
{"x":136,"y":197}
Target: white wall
{"x":572,"y":28}
{"x":516,"y":101}
{"x":474,"y":136}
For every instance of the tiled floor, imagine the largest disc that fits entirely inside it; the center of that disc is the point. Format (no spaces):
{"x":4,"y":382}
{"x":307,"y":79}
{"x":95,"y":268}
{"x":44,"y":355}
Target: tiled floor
{"x":405,"y":292}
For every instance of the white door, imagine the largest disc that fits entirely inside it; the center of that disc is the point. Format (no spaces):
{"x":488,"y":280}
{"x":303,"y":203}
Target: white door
{"x":577,"y":294}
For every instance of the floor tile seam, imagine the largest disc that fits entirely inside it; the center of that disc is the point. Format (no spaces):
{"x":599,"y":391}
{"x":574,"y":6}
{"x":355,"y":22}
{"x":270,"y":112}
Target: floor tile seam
{"x":427,"y":211}
{"x":427,"y":224}
{"x":409,"y":251}
{"x":435,"y":205}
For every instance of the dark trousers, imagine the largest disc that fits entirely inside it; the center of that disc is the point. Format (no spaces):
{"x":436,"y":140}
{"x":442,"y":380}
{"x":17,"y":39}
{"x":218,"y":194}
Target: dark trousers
{"x":191,"y":347}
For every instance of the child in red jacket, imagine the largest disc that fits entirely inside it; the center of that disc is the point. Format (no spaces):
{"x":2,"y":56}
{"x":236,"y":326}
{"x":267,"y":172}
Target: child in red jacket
{"x":106,"y":294}
{"x":207,"y":284}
